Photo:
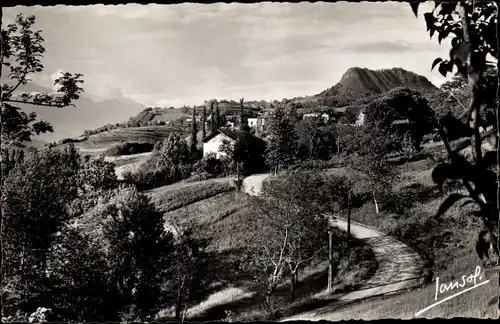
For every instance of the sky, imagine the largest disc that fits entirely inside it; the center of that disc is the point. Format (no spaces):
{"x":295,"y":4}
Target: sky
{"x":174,"y":55}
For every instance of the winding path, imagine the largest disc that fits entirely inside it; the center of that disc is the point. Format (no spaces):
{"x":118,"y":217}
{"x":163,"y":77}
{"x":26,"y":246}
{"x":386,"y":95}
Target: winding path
{"x":252,"y":184}
{"x":399,"y":266}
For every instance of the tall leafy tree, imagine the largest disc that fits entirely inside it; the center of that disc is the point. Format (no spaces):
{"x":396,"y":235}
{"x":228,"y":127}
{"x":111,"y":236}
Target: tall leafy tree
{"x":189,"y":261}
{"x":473,"y":27}
{"x":21,"y":54}
{"x":283,"y":141}
{"x":35,"y":195}
{"x":129,"y":231}
{"x":316,"y":140}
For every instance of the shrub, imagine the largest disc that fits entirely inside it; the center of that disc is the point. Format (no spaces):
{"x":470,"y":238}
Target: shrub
{"x":128,"y":148}
{"x":170,"y":161}
{"x":212,"y":165}
{"x":66,"y":140}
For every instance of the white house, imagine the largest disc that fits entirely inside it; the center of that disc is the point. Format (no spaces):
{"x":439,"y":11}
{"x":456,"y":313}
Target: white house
{"x":360,"y":120}
{"x":253,"y":122}
{"x":212,"y":143}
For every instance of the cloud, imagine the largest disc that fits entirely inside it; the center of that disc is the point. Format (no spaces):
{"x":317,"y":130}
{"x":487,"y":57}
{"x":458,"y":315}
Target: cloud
{"x":384,"y":47}
{"x":186,"y":53}
{"x":166,"y":103}
{"x":54,"y":76}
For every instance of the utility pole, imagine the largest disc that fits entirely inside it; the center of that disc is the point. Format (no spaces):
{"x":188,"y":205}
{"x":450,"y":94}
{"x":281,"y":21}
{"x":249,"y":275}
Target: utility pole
{"x":330,"y":259}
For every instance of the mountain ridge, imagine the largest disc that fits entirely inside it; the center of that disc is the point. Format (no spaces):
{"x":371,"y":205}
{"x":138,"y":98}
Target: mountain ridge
{"x":359,"y":82}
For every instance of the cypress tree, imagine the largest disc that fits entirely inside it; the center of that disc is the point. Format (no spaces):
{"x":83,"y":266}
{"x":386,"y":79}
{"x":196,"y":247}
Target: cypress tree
{"x":204,"y":121}
{"x":194,"y":133}
{"x":242,"y":119}
{"x":212,"y":116}
{"x":217,"y":115}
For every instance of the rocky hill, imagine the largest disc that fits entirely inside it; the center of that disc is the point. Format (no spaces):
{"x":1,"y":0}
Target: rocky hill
{"x":359,"y":83}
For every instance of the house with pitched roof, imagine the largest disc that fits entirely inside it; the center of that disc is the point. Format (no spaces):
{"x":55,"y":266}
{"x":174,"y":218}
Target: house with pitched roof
{"x":212,"y":142}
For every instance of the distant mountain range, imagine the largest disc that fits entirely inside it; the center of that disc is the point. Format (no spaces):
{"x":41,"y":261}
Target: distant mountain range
{"x":87,"y":114}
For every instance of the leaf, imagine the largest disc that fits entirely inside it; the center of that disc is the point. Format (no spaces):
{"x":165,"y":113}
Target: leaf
{"x":429,"y":20}
{"x":414,"y":7}
{"x":444,"y":33}
{"x":448,"y":202}
{"x":443,"y":68}
{"x":447,"y":8}
{"x":433,"y":30}
{"x":468,"y":202}
{"x":436,"y":61}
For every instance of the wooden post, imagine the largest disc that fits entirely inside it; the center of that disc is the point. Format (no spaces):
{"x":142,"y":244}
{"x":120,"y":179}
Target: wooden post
{"x":330,"y":259}
{"x":349,"y":214}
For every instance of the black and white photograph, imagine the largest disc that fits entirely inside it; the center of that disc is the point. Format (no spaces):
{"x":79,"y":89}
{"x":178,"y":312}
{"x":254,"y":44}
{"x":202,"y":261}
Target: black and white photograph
{"x":240,"y":162}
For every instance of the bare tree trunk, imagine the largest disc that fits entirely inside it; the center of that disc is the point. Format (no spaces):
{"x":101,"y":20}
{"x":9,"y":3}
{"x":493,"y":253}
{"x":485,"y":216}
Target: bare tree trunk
{"x":377,"y":210}
{"x":292,"y":286}
{"x":349,"y":215}
{"x":184,"y":313}
{"x":178,"y":301}
{"x":238,"y":187}
{"x":269,"y":302}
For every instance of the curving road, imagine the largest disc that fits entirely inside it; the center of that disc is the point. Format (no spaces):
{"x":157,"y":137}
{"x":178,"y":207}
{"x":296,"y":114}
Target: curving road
{"x":252,"y":184}
{"x":399,"y":268}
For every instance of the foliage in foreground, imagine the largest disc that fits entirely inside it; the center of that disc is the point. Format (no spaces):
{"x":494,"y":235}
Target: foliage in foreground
{"x":473,"y":27}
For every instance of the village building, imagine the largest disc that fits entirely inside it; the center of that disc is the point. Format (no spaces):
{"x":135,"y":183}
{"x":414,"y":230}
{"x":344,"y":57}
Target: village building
{"x":257,"y":122}
{"x":212,"y":142}
{"x":325,"y":116}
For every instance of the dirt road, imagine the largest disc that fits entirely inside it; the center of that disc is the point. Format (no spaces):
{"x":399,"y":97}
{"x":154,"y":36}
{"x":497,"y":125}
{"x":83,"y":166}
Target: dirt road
{"x":252,"y":185}
{"x":399,"y":267}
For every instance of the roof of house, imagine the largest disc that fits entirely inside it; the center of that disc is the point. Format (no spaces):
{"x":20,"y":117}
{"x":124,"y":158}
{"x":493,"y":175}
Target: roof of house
{"x":235,"y":134}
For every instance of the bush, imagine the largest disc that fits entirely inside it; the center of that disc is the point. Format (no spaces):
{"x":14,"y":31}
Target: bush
{"x":128,"y":148}
{"x":170,"y":161}
{"x":66,"y":140}
{"x":146,"y":179}
{"x":213,"y":166}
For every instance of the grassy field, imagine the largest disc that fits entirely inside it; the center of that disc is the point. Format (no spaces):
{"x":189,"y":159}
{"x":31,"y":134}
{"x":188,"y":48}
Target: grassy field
{"x":222,"y":217}
{"x":448,"y":241}
{"x":179,"y":195}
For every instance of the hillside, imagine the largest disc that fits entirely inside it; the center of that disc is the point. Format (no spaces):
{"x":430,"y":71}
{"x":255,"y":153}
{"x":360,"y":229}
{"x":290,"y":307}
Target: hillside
{"x":99,"y":143}
{"x":154,"y":116}
{"x":358,"y":82}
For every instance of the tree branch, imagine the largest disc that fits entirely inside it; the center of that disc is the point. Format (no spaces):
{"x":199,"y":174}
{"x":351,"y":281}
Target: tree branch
{"x":473,"y":76}
{"x":38,"y":104}
{"x":21,"y":80}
